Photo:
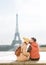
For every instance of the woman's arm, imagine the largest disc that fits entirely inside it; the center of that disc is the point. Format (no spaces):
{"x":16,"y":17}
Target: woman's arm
{"x":25,"y":52}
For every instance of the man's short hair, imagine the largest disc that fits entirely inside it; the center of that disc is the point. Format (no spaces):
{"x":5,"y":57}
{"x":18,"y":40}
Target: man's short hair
{"x":34,"y":39}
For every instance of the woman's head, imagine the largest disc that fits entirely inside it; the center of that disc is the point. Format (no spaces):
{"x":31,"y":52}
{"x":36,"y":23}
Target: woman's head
{"x":32,"y":40}
{"x":26,"y":40}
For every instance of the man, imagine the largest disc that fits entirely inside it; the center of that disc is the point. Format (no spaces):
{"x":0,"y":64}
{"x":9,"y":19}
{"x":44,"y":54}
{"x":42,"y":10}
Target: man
{"x":34,"y":52}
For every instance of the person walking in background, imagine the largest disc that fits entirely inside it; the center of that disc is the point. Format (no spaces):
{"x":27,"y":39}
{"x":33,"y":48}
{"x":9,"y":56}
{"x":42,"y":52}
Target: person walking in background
{"x":34,"y":52}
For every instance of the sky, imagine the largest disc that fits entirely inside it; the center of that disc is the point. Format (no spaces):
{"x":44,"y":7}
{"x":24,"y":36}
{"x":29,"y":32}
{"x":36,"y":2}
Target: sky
{"x":31,"y":19}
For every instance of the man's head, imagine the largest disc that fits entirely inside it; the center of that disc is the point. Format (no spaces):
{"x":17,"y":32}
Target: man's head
{"x":32,"y":40}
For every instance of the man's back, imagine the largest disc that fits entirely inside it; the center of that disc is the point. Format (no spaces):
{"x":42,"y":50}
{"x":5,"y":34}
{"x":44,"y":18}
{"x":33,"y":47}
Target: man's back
{"x":34,"y":53}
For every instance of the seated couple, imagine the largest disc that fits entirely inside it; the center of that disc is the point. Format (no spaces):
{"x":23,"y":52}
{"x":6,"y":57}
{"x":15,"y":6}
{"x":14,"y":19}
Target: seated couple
{"x":29,"y":50}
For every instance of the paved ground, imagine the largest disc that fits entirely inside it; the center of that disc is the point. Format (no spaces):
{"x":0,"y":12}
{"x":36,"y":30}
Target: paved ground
{"x":43,"y":49}
{"x":8,"y":58}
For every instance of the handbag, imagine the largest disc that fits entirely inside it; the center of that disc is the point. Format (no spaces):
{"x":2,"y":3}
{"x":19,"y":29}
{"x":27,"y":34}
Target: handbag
{"x":18,"y":51}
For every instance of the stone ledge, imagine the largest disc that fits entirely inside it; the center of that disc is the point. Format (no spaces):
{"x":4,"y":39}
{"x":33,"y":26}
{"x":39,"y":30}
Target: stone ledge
{"x":26,"y":63}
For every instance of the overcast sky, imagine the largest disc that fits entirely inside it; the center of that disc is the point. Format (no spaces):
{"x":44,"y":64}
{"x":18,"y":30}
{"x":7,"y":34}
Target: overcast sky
{"x":31,"y":18}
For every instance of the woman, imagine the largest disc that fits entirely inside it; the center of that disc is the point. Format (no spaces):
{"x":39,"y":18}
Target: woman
{"x":24,"y":55}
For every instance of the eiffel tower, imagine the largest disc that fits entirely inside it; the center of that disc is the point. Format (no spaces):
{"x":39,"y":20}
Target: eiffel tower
{"x":17,"y":35}
{"x":12,"y":47}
